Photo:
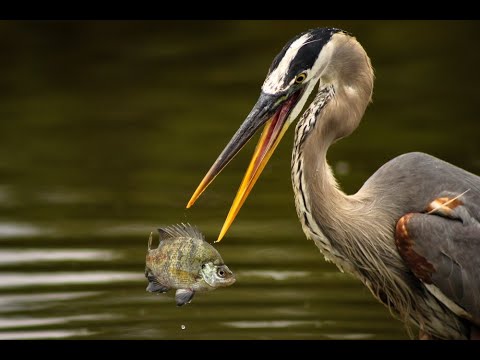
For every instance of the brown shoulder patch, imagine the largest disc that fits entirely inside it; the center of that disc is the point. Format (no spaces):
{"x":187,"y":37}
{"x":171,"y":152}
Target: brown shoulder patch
{"x":405,"y":243}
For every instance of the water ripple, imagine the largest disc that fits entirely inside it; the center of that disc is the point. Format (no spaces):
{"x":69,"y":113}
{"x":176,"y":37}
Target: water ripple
{"x":275,"y":324}
{"x":45,"y":334}
{"x":18,"y":256}
{"x":12,"y":303}
{"x":8,"y":230}
{"x":20,"y":322}
{"x":352,"y":336}
{"x":9,"y":280}
{"x":278,"y":275}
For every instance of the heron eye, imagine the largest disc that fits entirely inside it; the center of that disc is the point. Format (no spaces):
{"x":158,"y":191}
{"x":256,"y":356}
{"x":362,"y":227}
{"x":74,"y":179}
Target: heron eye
{"x":300,"y":78}
{"x":221,"y":272}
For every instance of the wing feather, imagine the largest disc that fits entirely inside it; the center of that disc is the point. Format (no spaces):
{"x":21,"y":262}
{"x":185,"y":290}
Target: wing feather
{"x":444,"y":252}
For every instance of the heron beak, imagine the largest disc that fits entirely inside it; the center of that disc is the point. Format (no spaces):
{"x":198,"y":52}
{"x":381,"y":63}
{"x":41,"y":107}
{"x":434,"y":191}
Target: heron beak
{"x":271,"y":110}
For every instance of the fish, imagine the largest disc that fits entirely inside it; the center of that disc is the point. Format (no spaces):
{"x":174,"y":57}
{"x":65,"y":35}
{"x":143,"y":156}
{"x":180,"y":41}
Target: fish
{"x":184,"y":261}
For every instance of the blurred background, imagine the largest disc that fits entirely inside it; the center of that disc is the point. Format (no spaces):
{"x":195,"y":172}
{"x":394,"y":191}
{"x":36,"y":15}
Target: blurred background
{"x":107,"y":127}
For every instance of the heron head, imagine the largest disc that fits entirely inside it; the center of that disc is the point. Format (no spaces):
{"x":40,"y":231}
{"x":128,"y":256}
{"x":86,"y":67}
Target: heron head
{"x":290,"y":80}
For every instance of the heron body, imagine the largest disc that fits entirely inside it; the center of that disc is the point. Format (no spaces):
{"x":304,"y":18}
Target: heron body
{"x":411,"y":234}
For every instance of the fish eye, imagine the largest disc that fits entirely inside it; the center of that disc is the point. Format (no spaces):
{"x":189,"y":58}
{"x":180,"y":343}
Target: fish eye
{"x":221,"y":272}
{"x":203,"y":266}
{"x":301,"y":78}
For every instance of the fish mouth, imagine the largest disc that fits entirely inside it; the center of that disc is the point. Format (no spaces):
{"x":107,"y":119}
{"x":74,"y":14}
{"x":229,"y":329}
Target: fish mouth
{"x":230,"y":281}
{"x":227,"y":282}
{"x":271,"y":110}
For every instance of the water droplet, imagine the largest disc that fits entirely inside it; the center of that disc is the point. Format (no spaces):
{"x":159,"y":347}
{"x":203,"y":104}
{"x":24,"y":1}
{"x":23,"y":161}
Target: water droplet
{"x":182,"y":327}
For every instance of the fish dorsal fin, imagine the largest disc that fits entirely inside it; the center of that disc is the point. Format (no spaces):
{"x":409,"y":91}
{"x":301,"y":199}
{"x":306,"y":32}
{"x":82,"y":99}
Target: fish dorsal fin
{"x":150,"y":239}
{"x":180,"y":231}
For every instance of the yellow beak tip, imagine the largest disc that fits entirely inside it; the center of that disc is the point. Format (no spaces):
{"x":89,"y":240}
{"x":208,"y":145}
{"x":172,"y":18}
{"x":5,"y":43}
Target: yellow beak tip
{"x":191,"y":202}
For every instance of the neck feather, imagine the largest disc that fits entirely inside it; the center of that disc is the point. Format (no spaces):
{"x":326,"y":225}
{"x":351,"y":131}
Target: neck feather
{"x":351,"y":230}
{"x":346,"y":84}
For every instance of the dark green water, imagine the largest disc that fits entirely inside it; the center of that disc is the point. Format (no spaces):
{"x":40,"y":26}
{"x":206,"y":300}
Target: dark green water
{"x":107,"y":128}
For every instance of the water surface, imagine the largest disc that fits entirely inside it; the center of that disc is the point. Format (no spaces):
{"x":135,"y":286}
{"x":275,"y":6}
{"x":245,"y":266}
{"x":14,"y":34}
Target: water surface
{"x":108,"y":127}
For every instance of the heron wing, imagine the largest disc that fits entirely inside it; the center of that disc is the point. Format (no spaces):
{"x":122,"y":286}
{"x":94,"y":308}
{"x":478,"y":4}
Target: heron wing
{"x":443,"y":251}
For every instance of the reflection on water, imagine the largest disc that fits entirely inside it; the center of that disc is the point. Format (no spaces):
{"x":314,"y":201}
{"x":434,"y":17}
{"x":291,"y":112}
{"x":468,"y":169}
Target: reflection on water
{"x":9,"y":230}
{"x":39,"y":279}
{"x":15,"y":303}
{"x":352,"y":336}
{"x":52,"y":334}
{"x":20,"y":255}
{"x":16,"y":322}
{"x":107,"y":128}
{"x":278,"y":275}
{"x":273,"y":324}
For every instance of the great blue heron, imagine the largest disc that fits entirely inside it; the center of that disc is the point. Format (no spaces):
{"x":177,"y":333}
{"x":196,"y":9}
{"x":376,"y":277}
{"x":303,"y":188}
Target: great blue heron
{"x":411,"y":234}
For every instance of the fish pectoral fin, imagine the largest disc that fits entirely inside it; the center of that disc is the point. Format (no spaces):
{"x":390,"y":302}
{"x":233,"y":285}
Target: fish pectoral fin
{"x":184,"y":296}
{"x":156,"y":287}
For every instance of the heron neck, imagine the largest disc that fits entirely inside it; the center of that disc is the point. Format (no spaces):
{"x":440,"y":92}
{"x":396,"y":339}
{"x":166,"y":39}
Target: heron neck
{"x":338,"y":223}
{"x":318,"y":199}
{"x":329,"y":216}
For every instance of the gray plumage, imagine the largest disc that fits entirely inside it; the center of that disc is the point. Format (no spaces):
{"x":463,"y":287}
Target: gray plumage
{"x":357,"y":231}
{"x":419,"y":260}
{"x":450,"y":247}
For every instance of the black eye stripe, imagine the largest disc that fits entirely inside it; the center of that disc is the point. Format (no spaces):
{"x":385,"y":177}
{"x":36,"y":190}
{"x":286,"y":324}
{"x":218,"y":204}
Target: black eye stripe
{"x":307,"y":54}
